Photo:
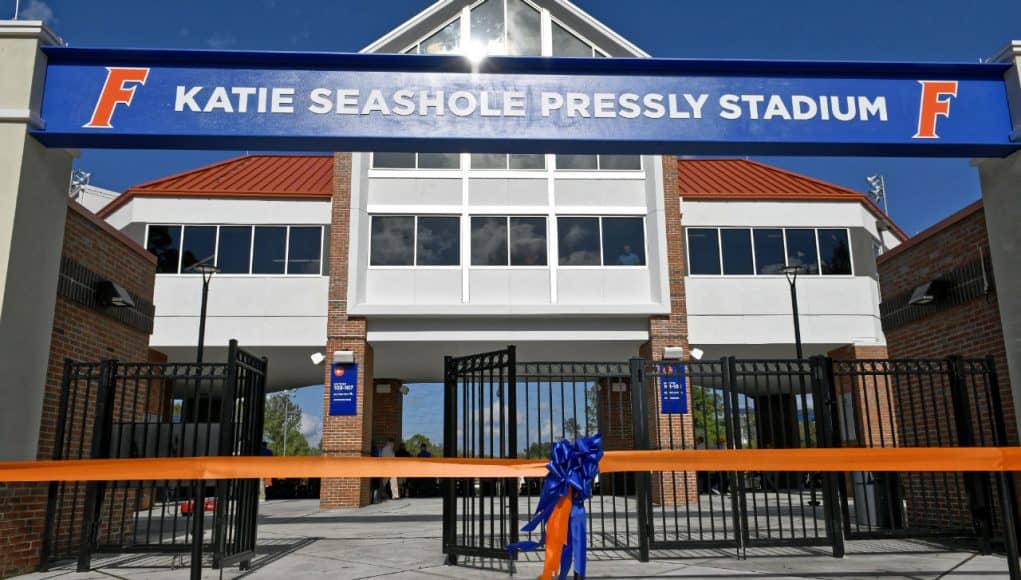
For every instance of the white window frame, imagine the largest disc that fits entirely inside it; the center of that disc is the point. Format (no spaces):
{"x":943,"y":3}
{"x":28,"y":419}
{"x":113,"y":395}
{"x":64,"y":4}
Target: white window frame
{"x":602,"y":261}
{"x":414,"y":242}
{"x":755,"y":258}
{"x":507,"y":217}
{"x":251,"y":247}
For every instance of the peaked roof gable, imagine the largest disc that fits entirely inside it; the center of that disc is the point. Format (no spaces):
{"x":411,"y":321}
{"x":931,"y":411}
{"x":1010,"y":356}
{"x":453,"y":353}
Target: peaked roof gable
{"x":427,"y":21}
{"x":744,"y":179}
{"x":291,"y":176}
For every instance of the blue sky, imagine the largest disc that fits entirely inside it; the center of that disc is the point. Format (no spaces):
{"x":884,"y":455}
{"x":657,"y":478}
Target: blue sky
{"x":921,"y":191}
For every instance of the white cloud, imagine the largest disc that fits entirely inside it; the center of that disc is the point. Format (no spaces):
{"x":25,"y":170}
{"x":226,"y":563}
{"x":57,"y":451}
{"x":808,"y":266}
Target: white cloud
{"x":312,"y":428}
{"x":37,"y":10}
{"x":220,"y":41}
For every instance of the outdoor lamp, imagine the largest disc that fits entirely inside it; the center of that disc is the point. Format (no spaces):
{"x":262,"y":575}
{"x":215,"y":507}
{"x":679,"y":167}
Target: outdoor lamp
{"x":673,"y":352}
{"x":696,"y":353}
{"x":114,"y":295}
{"x":930,"y":292}
{"x":344,"y":356}
{"x":317,"y":358}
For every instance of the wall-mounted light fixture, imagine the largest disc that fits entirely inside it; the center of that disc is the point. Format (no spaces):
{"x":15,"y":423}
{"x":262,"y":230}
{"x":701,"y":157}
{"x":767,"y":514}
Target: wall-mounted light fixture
{"x":113,"y":295}
{"x":344,"y":356}
{"x":673,"y":352}
{"x":929,"y":293}
{"x":696,"y":353}
{"x":317,"y":358}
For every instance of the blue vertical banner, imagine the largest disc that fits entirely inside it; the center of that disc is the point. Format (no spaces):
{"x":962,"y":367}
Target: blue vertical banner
{"x":343,"y":389}
{"x":673,"y":388}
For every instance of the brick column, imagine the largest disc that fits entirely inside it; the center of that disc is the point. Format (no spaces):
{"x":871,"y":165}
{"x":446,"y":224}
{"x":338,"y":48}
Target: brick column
{"x":387,"y":412}
{"x":348,"y":435}
{"x":671,"y":431}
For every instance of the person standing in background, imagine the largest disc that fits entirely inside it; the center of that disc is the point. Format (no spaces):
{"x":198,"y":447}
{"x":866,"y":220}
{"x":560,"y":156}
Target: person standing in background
{"x":388,"y":451}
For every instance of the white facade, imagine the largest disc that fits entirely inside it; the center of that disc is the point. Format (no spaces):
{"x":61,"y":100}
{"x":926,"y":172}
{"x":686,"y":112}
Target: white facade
{"x":563,"y":256}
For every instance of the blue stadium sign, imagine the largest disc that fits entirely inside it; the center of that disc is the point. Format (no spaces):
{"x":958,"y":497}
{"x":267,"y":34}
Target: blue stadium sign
{"x":201,"y":99}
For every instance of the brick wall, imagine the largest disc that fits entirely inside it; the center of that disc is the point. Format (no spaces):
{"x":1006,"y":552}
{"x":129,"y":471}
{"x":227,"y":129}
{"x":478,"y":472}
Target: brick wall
{"x":349,"y":435}
{"x":84,"y":334}
{"x":970,"y":329}
{"x":671,"y":330}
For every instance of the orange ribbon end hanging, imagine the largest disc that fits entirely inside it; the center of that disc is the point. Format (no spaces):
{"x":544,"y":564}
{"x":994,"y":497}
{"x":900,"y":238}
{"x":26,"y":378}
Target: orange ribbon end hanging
{"x":556,"y":536}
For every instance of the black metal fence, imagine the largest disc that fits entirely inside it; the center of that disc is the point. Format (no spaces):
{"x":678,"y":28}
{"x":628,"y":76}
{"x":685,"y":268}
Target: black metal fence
{"x":498,"y":407}
{"x":113,"y":409}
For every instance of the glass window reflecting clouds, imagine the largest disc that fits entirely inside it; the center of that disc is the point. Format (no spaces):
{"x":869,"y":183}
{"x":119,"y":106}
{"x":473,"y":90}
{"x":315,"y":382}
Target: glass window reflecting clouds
{"x":438,"y":241}
{"x":528,"y":241}
{"x":578,"y":241}
{"x":489,"y":241}
{"x":392,"y":241}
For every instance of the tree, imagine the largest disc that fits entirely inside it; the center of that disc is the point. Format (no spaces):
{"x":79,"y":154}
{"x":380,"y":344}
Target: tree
{"x":539,"y":450}
{"x":708,"y":415}
{"x":284,"y":416}
{"x":414,"y":444}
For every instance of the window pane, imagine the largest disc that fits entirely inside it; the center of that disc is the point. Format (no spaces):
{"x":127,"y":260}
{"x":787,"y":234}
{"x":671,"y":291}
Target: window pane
{"x":489,"y":241}
{"x":769,"y":257}
{"x":439,"y":160}
{"x":444,"y":41}
{"x":528,"y":241}
{"x":578,"y":241}
{"x":268,"y":253}
{"x":199,"y":244}
{"x":703,"y":251}
{"x":801,"y":250}
{"x":235,"y":249}
{"x":737,"y":252}
{"x":303,"y":250}
{"x":523,"y":31}
{"x":392,"y":241}
{"x":489,"y":161}
{"x":527,"y":161}
{"x":165,"y":243}
{"x":487,"y":26}
{"x":620,"y":162}
{"x":567,"y":44}
{"x":623,"y":242}
{"x":577,"y":162}
{"x":835,"y":252}
{"x":439,"y":241}
{"x":393,"y":160}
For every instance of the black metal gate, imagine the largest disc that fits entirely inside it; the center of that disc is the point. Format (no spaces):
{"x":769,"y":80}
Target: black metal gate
{"x":498,"y":407}
{"x":737,"y":404}
{"x":113,"y":409}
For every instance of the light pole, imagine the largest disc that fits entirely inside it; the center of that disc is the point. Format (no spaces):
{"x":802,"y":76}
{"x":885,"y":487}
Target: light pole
{"x":207,"y":270}
{"x":792,"y":280}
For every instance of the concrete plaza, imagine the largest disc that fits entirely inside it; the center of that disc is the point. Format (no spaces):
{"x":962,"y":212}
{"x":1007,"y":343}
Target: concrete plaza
{"x":400,"y":540}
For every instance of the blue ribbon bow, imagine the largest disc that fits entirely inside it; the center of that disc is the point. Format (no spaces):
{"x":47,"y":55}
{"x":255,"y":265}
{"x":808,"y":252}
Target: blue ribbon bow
{"x":572,"y":466}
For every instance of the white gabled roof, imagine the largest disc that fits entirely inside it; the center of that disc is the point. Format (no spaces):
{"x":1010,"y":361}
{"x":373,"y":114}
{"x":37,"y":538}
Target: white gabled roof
{"x":558,"y":8}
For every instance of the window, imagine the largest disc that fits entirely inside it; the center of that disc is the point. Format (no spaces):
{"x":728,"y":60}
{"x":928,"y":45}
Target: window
{"x":599,"y":162}
{"x":487,"y":26}
{"x":392,"y":241}
{"x":801,"y":250}
{"x":578,"y":241}
{"x":164,"y":242}
{"x":607,"y":241}
{"x":769,"y":252}
{"x":443,"y":41}
{"x":410,"y":241}
{"x":737,"y":252}
{"x":304,"y":245}
{"x":504,"y":161}
{"x":623,"y":241}
{"x":489,"y":241}
{"x":528,"y":241}
{"x":268,"y":255}
{"x":703,"y":251}
{"x":567,"y":44}
{"x":502,"y":241}
{"x":402,"y":160}
{"x":438,"y":241}
{"x":524,"y":33}
{"x":834,"y":252}
{"x":197,"y":245}
{"x":237,"y":249}
{"x":234,"y":253}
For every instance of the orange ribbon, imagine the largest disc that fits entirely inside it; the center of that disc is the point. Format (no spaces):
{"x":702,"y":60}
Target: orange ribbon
{"x":556,"y":536}
{"x":905,"y":459}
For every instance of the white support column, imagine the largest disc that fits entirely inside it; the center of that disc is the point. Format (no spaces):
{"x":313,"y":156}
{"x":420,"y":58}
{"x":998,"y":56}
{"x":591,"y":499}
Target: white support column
{"x":1001,"y":195}
{"x":33,"y":205}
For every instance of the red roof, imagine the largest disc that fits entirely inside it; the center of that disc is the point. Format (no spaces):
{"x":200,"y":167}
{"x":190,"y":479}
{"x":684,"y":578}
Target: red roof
{"x":295,"y":176}
{"x":737,"y":179}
